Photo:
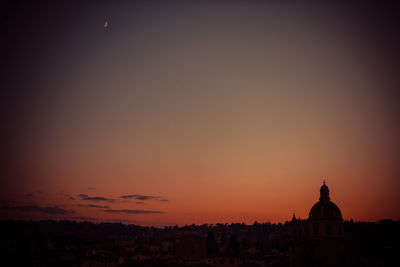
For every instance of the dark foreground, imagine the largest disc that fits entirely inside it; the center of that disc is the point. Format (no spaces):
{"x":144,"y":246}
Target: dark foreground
{"x":67,"y":243}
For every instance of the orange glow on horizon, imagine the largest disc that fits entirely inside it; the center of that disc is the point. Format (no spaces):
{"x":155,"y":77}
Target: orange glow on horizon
{"x":232,"y":114}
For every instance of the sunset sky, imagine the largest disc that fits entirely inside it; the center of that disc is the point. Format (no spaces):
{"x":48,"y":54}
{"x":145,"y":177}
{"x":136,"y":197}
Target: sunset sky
{"x":164,"y":113}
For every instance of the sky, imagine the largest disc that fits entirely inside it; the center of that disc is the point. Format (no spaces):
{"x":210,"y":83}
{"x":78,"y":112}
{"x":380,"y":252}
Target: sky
{"x":181,"y":112}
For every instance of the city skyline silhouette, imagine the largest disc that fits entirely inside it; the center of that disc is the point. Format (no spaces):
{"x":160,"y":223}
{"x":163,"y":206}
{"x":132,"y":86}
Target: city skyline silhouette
{"x":190,"y":113}
{"x":199,"y":133}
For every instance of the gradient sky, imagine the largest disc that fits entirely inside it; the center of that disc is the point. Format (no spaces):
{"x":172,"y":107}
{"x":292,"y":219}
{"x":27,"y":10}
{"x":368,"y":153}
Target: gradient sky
{"x":198,"y":111}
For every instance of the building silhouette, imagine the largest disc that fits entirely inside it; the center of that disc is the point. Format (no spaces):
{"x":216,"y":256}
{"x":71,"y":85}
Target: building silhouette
{"x":325,"y":219}
{"x":323,"y":245}
{"x":189,"y":245}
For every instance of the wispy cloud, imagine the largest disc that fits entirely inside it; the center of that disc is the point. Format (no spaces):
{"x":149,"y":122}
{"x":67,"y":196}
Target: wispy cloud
{"x":96,"y":199}
{"x":92,"y":219}
{"x":133,"y":211}
{"x":93,"y":206}
{"x":143,"y":197}
{"x":33,"y":194}
{"x":34,"y":208}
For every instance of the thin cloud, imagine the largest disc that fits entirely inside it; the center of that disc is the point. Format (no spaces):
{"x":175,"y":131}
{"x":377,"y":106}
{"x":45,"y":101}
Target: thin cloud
{"x":139,"y":197}
{"x":96,"y":199}
{"x":34,"y":208}
{"x":133,"y":211}
{"x":92,"y":219}
{"x":93,"y":206}
{"x":144,"y":197}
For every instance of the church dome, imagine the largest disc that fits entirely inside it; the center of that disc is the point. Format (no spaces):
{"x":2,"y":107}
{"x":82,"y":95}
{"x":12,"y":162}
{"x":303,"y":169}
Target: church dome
{"x":325,"y":209}
{"x":325,"y":219}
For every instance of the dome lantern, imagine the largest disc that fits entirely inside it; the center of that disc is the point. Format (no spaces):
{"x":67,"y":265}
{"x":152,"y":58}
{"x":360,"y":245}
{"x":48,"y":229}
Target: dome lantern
{"x":324,"y":193}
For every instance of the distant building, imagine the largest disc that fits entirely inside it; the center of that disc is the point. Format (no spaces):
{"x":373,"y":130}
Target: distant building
{"x":296,"y":231}
{"x":189,"y":245}
{"x":324,"y":244}
{"x":325,"y":219}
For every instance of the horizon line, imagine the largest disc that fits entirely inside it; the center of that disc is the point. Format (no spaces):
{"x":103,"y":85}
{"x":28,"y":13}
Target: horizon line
{"x":113,"y":221}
